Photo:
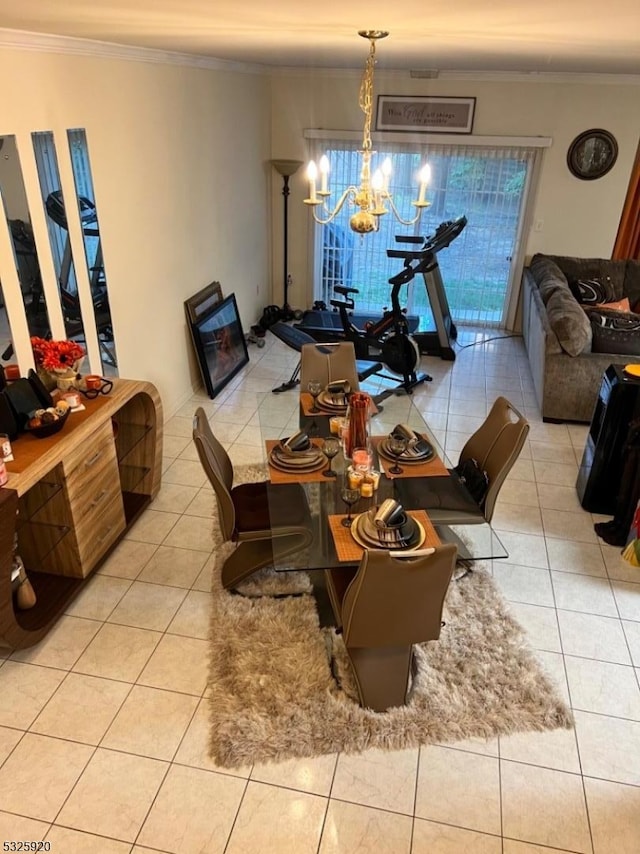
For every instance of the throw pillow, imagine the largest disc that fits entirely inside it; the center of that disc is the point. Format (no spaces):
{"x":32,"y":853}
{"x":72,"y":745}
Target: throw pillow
{"x":619,"y":305}
{"x":593,"y":291}
{"x":613,"y":334}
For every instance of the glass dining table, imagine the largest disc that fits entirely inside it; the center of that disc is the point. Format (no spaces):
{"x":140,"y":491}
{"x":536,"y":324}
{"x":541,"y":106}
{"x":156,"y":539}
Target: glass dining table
{"x":418,"y":488}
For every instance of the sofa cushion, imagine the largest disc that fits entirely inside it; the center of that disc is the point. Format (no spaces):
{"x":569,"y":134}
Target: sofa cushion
{"x":615,"y":332}
{"x":569,"y":322}
{"x":593,"y":291}
{"x":548,"y":276}
{"x":576,"y":269}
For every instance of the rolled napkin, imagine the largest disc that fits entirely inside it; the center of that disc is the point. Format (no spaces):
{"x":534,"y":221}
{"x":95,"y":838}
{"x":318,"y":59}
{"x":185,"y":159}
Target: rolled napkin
{"x":298,"y":443}
{"x":389,"y":513}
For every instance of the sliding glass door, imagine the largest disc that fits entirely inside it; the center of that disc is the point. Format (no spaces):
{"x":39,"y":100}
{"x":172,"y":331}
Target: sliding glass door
{"x":487,"y":185}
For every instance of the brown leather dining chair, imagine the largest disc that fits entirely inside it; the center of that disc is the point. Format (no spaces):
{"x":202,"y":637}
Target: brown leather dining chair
{"x":327,"y":363}
{"x":247,"y":517}
{"x":387,"y":604}
{"x":495,"y":445}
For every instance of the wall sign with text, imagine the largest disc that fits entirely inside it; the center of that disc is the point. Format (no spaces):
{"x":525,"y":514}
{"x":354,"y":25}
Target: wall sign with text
{"x":425,"y":114}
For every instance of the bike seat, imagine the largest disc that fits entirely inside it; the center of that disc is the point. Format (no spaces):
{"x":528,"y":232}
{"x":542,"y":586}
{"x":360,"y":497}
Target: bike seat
{"x":342,"y":289}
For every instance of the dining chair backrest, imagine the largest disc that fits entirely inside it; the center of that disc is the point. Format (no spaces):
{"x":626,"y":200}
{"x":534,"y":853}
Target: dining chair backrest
{"x":328,"y":363}
{"x":218,"y":468}
{"x":496,"y":445}
{"x":395,"y":601}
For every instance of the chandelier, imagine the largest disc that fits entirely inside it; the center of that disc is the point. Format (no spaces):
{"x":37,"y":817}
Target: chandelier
{"x":373,"y":194}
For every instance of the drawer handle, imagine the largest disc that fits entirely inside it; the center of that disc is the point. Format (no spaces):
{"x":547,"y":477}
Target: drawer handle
{"x":106,"y":534}
{"x":94,"y":459}
{"x":98,"y":499}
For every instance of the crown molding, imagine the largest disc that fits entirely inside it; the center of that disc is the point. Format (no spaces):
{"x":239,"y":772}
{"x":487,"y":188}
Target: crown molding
{"x":46,"y":43}
{"x":574,"y":77}
{"x":70,"y":45}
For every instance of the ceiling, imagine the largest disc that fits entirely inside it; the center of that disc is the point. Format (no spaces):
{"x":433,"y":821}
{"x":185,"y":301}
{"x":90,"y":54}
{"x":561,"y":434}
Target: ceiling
{"x":596,"y":36}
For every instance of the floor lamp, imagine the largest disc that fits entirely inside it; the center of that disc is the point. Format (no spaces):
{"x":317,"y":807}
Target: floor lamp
{"x":286,"y":168}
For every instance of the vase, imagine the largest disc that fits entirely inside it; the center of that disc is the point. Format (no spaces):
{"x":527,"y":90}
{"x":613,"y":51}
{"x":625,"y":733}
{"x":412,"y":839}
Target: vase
{"x":66,"y":378}
{"x":47,"y":379}
{"x":356,"y":431}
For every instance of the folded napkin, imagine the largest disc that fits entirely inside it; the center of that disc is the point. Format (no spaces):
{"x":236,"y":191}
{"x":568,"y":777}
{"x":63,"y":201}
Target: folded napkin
{"x":416,"y":445}
{"x":296,"y":444}
{"x":389,"y":513}
{"x":339,"y":387}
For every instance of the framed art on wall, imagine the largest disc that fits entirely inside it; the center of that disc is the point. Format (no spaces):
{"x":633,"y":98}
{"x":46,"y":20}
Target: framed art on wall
{"x":220,"y":344}
{"x":425,"y":114}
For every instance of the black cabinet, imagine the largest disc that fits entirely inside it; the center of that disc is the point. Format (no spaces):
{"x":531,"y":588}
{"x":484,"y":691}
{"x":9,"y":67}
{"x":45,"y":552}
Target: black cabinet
{"x":602,"y":463}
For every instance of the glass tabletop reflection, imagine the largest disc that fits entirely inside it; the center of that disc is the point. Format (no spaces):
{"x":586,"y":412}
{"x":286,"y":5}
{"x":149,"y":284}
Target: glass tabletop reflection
{"x":281,"y":416}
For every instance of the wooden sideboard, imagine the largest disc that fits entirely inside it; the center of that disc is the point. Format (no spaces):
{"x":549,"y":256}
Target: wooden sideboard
{"x":76,"y":492}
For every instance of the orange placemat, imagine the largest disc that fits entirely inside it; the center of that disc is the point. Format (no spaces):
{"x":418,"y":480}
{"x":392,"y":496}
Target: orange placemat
{"x":348,"y":550}
{"x":277,"y":476}
{"x":306,"y":402}
{"x":433,"y":468}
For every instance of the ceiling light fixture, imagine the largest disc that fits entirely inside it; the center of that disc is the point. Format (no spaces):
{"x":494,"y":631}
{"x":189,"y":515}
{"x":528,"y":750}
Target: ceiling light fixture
{"x":373,"y":194}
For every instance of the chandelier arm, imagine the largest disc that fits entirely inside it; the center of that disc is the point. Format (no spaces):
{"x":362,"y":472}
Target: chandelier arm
{"x":339,"y":205}
{"x":396,"y":213}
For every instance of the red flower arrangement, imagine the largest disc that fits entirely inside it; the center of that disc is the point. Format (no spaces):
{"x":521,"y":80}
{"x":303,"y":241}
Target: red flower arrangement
{"x":56,"y":355}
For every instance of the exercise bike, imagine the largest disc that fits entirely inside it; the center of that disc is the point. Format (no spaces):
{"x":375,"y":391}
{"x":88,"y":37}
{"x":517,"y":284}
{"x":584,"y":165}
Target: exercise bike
{"x":388,"y":339}
{"x":368,"y":334}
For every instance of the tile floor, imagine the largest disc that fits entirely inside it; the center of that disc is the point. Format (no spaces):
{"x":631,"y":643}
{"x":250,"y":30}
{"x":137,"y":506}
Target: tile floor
{"x":103,"y":726}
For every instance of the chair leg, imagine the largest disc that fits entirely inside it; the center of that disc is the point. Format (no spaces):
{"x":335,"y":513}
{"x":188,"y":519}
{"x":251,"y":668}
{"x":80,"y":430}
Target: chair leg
{"x":251,"y":555}
{"x":382,"y":675}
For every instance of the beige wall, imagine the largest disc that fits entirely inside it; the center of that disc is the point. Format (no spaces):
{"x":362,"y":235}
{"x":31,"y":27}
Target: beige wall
{"x":577,"y":217}
{"x":178,"y":158}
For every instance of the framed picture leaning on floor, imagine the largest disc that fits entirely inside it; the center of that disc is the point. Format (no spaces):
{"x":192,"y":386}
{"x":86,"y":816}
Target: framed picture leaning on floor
{"x":220,"y":344}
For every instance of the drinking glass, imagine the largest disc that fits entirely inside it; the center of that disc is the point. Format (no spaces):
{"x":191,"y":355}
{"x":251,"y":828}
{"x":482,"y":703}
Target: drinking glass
{"x":314,"y":387}
{"x":330,"y":447}
{"x":350,"y":497}
{"x":396,"y":445}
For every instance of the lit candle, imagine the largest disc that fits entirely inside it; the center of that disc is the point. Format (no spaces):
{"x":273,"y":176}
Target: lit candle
{"x":386,"y":173}
{"x":354,"y":478}
{"x":425,"y":177}
{"x":361,"y":458}
{"x":373,"y":477}
{"x":312,"y":174}
{"x":324,"y":173}
{"x":336,"y":423}
{"x":366,"y":489}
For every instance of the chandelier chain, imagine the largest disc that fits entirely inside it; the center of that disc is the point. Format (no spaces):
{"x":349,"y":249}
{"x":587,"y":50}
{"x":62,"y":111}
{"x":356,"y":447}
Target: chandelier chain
{"x":366,"y":95}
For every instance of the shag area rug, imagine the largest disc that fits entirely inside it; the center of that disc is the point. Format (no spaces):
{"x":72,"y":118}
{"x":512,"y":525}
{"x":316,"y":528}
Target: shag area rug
{"x":281,"y":687}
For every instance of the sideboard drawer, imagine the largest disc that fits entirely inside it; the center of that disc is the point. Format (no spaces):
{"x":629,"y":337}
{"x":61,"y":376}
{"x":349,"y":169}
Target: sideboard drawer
{"x":99,"y":529}
{"x":91,"y":453}
{"x":94,"y":478}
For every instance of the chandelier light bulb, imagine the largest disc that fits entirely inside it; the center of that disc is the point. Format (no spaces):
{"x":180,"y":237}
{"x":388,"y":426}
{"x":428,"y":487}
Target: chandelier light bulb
{"x":425,"y":174}
{"x":377,"y":181}
{"x":387,"y":168}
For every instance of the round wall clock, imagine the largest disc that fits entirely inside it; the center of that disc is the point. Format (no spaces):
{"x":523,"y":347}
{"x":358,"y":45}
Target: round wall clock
{"x":592,"y":154}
